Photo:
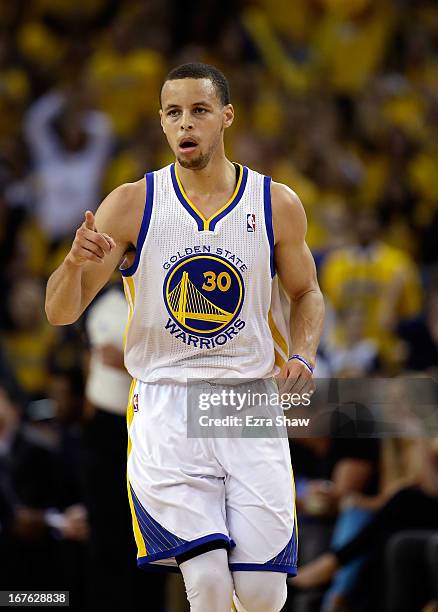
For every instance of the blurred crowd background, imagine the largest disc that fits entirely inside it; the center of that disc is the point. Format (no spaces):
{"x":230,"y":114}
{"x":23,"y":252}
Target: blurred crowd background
{"x":336,"y":98}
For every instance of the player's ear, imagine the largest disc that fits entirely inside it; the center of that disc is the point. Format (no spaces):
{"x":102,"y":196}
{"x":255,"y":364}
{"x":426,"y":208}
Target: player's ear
{"x":228,"y":115}
{"x":162,"y":121}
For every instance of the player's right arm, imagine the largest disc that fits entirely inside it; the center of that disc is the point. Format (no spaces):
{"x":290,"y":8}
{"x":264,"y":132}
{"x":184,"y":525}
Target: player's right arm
{"x":97,"y":250}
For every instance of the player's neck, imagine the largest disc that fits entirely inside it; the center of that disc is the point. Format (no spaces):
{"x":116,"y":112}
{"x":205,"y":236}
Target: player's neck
{"x":218,"y":176}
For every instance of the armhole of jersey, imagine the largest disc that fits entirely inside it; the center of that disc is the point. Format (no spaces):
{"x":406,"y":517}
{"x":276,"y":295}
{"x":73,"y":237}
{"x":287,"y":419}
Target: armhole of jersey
{"x":268,"y":219}
{"x":144,"y":224}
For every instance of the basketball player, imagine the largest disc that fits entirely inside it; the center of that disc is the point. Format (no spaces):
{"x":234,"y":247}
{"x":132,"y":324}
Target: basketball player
{"x":203,"y":243}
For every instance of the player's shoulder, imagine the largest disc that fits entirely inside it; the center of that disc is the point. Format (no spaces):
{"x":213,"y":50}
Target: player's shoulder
{"x":125,"y":196}
{"x":127,"y":193}
{"x":284,"y":198}
{"x":287,"y":210}
{"x":121,"y":211}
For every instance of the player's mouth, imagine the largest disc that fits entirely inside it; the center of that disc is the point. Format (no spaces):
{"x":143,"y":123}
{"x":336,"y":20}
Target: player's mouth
{"x":188,"y":145}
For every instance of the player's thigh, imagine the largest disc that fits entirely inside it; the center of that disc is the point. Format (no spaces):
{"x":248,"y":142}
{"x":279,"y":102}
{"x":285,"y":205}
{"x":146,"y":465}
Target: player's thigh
{"x":172,"y":478}
{"x":260,"y":504}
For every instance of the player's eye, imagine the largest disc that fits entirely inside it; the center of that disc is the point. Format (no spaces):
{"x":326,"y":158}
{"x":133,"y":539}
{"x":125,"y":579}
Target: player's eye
{"x":200,"y":110}
{"x":173,"y":112}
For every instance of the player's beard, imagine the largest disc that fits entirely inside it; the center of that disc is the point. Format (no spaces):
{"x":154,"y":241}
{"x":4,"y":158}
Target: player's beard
{"x":202,"y":160}
{"x":197,"y":163}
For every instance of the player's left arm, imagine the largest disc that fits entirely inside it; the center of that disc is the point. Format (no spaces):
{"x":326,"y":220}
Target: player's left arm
{"x":296,"y":269}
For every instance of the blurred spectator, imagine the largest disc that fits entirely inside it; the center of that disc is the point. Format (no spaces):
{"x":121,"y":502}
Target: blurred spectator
{"x":326,"y":470}
{"x":421,"y":336}
{"x":70,"y":147}
{"x":104,"y":445}
{"x":336,"y":222}
{"x":352,"y":355}
{"x":133,"y":160}
{"x":14,"y":90}
{"x":411,"y":507}
{"x":381,"y":280}
{"x":123,"y":75}
{"x":350,"y":42}
{"x":55,"y":423}
{"x":404,"y":577}
{"x":30,"y":339}
{"x":34,"y":519}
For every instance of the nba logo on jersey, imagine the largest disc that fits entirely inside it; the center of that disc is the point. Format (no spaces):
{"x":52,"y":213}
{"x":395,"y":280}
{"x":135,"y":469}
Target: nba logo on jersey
{"x":250,"y":222}
{"x":135,"y":402}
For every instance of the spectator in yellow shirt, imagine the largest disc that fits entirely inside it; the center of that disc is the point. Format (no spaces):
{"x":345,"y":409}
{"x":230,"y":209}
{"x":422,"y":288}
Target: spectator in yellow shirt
{"x":122,"y":77}
{"x":379,"y":279}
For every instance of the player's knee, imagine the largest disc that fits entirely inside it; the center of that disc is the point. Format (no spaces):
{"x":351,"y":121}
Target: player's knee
{"x":212,"y":586}
{"x":208,"y":581}
{"x":261,"y":591}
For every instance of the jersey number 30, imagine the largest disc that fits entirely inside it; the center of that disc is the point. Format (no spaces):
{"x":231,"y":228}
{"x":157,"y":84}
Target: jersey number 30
{"x":222,"y":281}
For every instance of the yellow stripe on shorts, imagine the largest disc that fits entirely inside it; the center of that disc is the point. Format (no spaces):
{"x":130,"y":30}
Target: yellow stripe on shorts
{"x":141,"y":546}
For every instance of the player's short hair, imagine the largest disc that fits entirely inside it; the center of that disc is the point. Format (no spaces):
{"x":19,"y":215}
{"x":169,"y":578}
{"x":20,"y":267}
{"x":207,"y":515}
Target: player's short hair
{"x":201,"y":71}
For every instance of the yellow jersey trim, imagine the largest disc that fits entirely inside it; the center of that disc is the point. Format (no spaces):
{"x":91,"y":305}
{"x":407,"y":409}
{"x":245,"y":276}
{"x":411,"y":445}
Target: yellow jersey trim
{"x":205,"y":221}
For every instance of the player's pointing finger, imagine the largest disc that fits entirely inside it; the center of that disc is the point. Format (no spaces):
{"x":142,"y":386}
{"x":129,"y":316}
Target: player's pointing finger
{"x":89,"y":220}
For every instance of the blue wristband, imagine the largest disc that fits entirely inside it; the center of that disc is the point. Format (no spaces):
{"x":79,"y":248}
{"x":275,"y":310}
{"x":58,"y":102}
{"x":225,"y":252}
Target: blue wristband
{"x":306,"y":363}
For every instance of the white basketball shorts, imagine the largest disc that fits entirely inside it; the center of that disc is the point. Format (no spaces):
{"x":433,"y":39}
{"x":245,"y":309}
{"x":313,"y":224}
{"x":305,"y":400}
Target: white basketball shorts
{"x":185,"y":492}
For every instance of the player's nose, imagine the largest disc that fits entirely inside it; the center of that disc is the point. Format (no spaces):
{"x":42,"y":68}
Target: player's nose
{"x":186,"y":121}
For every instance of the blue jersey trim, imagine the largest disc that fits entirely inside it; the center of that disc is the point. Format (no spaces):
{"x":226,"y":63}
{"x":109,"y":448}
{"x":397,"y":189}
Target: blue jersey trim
{"x":182,"y":548}
{"x":234,"y":203}
{"x":263,"y":567}
{"x":161,"y":543}
{"x":289,"y":555}
{"x":157,"y":538}
{"x":208,"y":225}
{"x":144,"y":225}
{"x":285,"y":562}
{"x":268,"y":219}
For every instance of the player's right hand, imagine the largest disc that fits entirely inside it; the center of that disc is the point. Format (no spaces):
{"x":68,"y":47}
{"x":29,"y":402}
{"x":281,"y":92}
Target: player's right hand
{"x":89,"y":244}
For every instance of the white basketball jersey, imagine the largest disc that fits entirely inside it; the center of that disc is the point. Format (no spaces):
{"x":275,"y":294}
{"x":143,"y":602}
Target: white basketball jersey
{"x":203,"y":296}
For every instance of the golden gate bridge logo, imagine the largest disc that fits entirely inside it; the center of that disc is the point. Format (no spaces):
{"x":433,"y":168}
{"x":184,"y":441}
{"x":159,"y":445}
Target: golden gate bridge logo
{"x":186,"y":302}
{"x":203,"y":293}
